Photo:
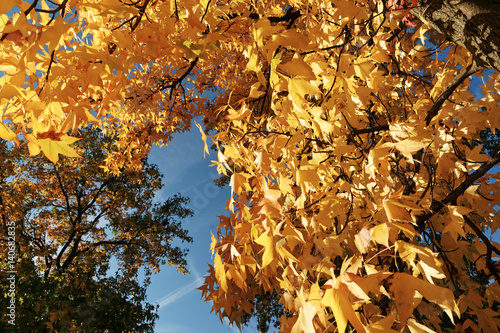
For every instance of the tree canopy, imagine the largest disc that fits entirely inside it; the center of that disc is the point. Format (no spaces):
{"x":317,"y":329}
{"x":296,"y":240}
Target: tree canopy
{"x":83,"y":237}
{"x":358,"y":136}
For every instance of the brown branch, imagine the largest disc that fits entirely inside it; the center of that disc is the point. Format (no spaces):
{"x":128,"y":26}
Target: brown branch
{"x":136,"y":19}
{"x":122,"y":241}
{"x":74,"y":252}
{"x":98,"y":193}
{"x":30,"y":8}
{"x":370,"y":129}
{"x":176,"y":10}
{"x":172,"y":85}
{"x":473,"y":24}
{"x":65,"y":246}
{"x":490,"y":248}
{"x":436,"y":206}
{"x":290,"y":15}
{"x":63,"y":191}
{"x":481,"y":235}
{"x":206,"y":11}
{"x":134,"y":22}
{"x":72,"y":221}
{"x":186,"y":73}
{"x":48,"y":70}
{"x":457,"y":81}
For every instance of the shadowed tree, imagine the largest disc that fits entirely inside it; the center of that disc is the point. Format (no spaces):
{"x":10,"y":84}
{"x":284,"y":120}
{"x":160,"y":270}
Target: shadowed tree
{"x":83,"y":236}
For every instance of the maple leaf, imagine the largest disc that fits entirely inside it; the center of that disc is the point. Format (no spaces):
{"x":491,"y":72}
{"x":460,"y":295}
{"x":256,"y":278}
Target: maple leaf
{"x":7,"y":134}
{"x":52,"y":147}
{"x":342,"y":308}
{"x":404,"y":288}
{"x":268,"y":242}
{"x":304,"y":322}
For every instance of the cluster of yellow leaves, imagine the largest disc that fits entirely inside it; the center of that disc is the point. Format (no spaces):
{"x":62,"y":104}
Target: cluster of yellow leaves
{"x":332,"y":167}
{"x":344,"y":200}
{"x":124,"y":66}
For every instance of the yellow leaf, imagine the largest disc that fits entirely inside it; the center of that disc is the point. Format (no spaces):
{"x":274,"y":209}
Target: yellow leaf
{"x":299,"y":88}
{"x":363,"y":69}
{"x":428,"y":263}
{"x":254,"y":64}
{"x":380,"y":234}
{"x":253,"y":59}
{"x":455,"y":224}
{"x":266,"y":239}
{"x":220,"y":272}
{"x":305,"y":321}
{"x":408,"y":146}
{"x":405,"y":296}
{"x":52,"y":148}
{"x":297,"y":66}
{"x":194,"y":21}
{"x":239,"y":182}
{"x":362,"y":240}
{"x":291,"y":39}
{"x":383,"y":325}
{"x":395,"y":212}
{"x":270,"y":201}
{"x":204,"y":138}
{"x":475,"y":154}
{"x":6,"y":133}
{"x":262,"y":29}
{"x":9,"y":91}
{"x":403,"y":286}
{"x":255,"y":92}
{"x":33,"y":149}
{"x":342,"y":309}
{"x":275,"y":61}
{"x":309,"y":175}
{"x":415,"y":327}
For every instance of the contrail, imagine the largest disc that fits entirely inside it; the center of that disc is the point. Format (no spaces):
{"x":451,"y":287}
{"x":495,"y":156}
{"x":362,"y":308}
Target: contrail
{"x":175,"y":295}
{"x":192,"y":269}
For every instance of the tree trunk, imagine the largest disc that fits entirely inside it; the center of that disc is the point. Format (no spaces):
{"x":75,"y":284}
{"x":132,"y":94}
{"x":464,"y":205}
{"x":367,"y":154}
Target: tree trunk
{"x":473,"y":24}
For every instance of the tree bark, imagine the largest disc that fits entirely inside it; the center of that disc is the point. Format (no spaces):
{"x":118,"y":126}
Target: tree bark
{"x":473,"y":24}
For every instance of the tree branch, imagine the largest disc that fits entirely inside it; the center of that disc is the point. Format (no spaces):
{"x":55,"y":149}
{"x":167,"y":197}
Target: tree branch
{"x":481,"y":235}
{"x":370,"y":129}
{"x":457,"y":81}
{"x":73,"y":253}
{"x":63,"y":191}
{"x":436,"y":206}
{"x":113,"y":242}
{"x":173,"y":84}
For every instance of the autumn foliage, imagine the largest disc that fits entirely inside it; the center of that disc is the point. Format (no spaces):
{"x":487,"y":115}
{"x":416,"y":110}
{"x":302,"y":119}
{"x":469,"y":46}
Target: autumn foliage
{"x":362,"y":194}
{"x":85,"y":239}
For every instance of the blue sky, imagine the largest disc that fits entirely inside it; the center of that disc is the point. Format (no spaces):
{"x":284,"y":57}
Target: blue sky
{"x":187,"y":172}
